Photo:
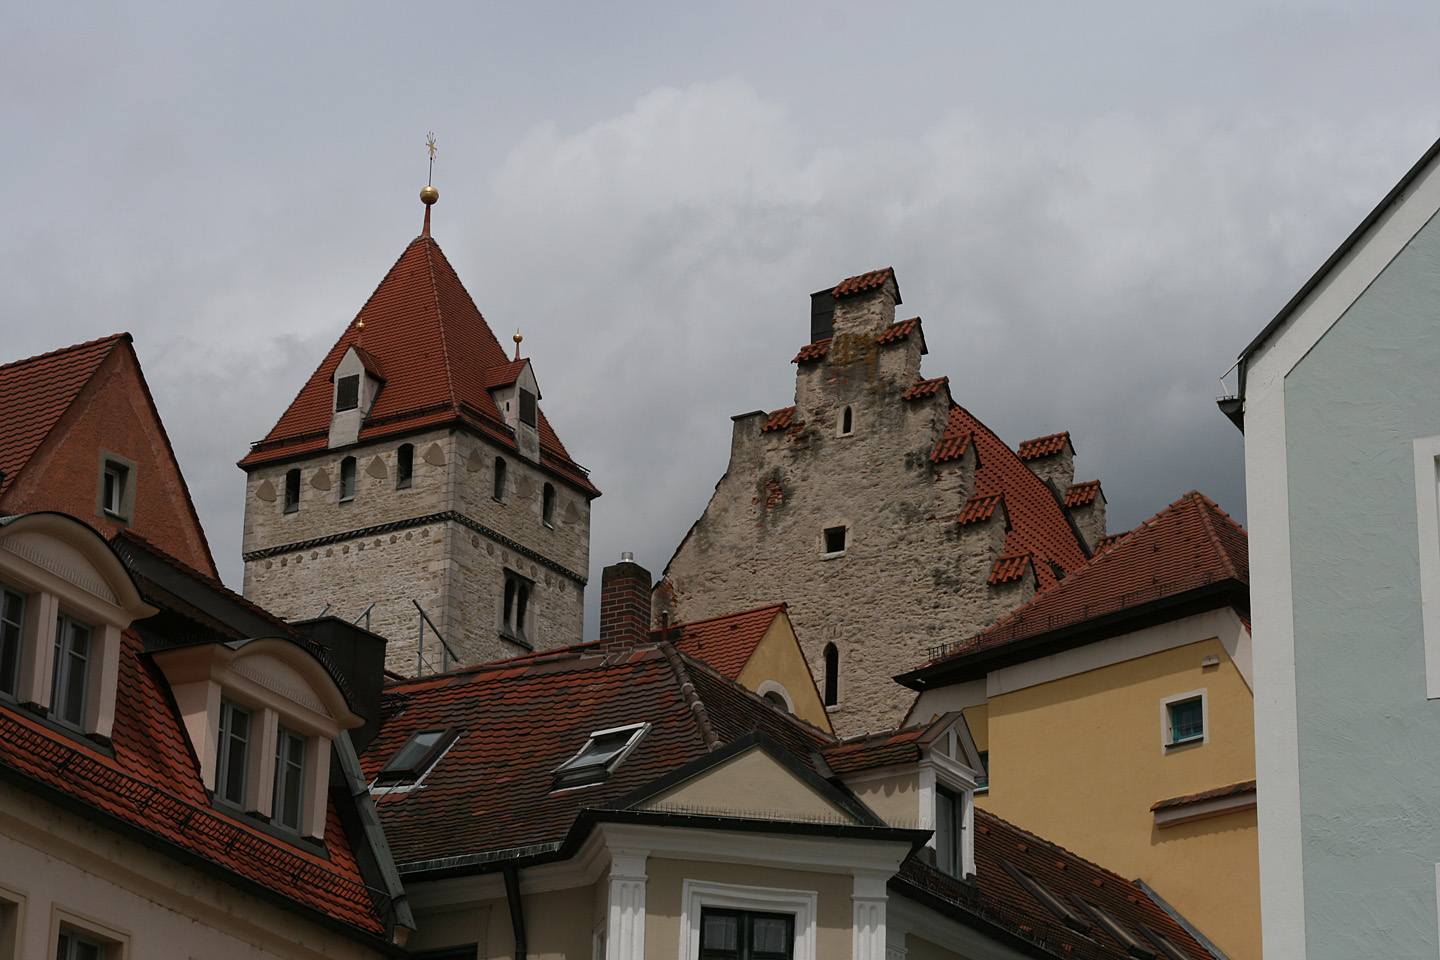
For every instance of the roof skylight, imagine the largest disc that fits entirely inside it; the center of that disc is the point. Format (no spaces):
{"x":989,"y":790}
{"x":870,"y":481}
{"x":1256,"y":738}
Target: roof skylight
{"x":601,"y":754}
{"x":415,"y":758}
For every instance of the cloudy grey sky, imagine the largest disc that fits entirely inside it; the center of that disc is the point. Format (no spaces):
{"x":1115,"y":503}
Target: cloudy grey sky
{"x":1093,"y":206}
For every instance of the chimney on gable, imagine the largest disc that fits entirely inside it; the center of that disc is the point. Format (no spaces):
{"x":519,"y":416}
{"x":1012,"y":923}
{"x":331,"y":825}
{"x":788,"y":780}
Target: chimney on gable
{"x":625,"y":601}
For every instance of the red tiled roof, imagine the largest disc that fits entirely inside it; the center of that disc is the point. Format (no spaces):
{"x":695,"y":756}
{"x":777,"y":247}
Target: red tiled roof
{"x":152,"y":784}
{"x":980,"y":508}
{"x":1009,"y":568}
{"x":866,"y":281}
{"x":950,"y":448}
{"x":780,"y":419}
{"x":998,"y":842}
{"x":898,"y":331}
{"x":873,"y":750}
{"x":504,"y":376}
{"x":1082,"y":494}
{"x":1190,"y":544}
{"x":725,"y":642}
{"x":1106,"y":542}
{"x":437,"y":351}
{"x":813,"y":351}
{"x":925,"y":388}
{"x":1215,"y":793}
{"x":1038,"y":525}
{"x":36,"y":392}
{"x":1043,"y":446}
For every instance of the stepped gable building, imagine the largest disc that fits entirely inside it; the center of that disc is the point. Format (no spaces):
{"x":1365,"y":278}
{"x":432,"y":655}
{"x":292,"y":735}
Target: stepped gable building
{"x":883,"y":513}
{"x":414,"y":484}
{"x":1130,"y":682}
{"x":79,"y":433}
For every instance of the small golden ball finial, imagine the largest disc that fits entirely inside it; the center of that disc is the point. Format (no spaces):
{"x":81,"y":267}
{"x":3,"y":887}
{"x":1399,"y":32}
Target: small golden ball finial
{"x":429,"y":195}
{"x":517,"y":338}
{"x":359,"y":324}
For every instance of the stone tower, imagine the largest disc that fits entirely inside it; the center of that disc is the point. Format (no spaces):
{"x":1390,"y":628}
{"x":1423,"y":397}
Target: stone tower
{"x":887,"y":516}
{"x":415,"y":486}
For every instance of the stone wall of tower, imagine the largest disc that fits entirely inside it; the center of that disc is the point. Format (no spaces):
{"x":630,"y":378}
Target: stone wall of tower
{"x":444,"y":542}
{"x":910,"y":577}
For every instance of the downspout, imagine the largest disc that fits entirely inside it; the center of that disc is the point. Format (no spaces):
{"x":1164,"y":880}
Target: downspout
{"x":517,"y":916}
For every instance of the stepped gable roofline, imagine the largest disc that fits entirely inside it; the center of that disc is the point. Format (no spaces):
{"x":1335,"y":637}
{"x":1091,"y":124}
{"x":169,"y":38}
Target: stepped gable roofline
{"x":782,"y":419}
{"x":1187,"y":558}
{"x":1082,"y":494}
{"x":895,"y":333}
{"x":982,"y":508}
{"x":1047,"y":446}
{"x":436,"y":350}
{"x":36,"y":392}
{"x":864,"y":282}
{"x":925,"y":388}
{"x":950,"y":448}
{"x":724,"y":642}
{"x":1010,"y":568}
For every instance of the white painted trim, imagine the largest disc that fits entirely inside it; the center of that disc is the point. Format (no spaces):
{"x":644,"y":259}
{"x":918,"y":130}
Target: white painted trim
{"x":1172,"y":816}
{"x":1221,"y":624}
{"x":774,"y":686}
{"x":625,"y":918}
{"x":817,"y":854}
{"x":1427,"y":515}
{"x":867,"y":930}
{"x":1167,"y":745}
{"x":695,"y":895}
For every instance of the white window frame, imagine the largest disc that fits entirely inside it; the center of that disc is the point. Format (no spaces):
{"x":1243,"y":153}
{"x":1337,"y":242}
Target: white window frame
{"x":1427,"y":515}
{"x":777,"y":688}
{"x":223,"y":747}
{"x":115,"y":941}
{"x":120,"y":507}
{"x":12,"y":922}
{"x":696,"y":895}
{"x":283,"y":735}
{"x":637,"y":733}
{"x":1168,"y":745}
{"x":937,"y":770}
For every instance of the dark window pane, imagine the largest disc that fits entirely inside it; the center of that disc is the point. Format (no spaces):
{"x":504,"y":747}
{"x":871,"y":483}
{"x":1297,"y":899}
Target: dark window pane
{"x":347,"y":392}
{"x":292,"y":491}
{"x":721,"y":932}
{"x":404,"y":465}
{"x":12,"y":629}
{"x":834,"y":539}
{"x":527,"y":408}
{"x":770,"y":934}
{"x":1187,"y":721}
{"x":499,"y":491}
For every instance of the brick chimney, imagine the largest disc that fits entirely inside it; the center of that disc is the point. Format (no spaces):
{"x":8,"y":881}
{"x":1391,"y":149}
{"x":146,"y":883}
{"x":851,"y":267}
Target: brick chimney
{"x":625,"y":601}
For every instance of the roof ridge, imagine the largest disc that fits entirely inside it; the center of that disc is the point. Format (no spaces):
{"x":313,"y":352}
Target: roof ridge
{"x":690,"y":696}
{"x":728,"y":616}
{"x":112,"y":339}
{"x":801,"y":722}
{"x":1200,"y":502}
{"x":432,"y":246}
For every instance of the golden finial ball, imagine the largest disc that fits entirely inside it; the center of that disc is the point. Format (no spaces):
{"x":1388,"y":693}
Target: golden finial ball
{"x":517,"y":338}
{"x":429,"y":195}
{"x":359,"y":324}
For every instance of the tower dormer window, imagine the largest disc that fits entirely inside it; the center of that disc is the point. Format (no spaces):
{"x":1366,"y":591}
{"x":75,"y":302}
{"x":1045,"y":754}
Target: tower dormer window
{"x":347,"y":392}
{"x":527,"y":407}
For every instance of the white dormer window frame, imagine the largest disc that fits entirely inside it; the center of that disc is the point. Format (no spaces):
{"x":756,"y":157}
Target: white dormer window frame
{"x":518,"y":403}
{"x":75,"y":599}
{"x":352,"y":395}
{"x":289,"y":699}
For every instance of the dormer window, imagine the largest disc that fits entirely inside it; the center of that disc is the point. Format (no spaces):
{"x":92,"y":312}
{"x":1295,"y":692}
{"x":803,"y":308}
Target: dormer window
{"x":70,"y":680}
{"x":413,"y":760}
{"x":233,"y":763}
{"x":12,"y":630}
{"x":601,"y":754}
{"x":290,"y":762}
{"x":527,"y":407}
{"x":347,"y":392}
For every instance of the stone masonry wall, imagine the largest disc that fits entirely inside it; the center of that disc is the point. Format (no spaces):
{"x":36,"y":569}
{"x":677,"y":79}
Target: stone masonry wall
{"x":910,"y":577}
{"x":453,"y":567}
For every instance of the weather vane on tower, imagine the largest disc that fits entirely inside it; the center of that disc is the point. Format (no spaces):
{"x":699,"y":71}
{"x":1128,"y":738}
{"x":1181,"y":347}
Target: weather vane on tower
{"x":429,"y":194}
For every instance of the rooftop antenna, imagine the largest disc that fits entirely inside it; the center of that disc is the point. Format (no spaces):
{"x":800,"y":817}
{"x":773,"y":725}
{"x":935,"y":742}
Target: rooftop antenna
{"x":429,"y":194}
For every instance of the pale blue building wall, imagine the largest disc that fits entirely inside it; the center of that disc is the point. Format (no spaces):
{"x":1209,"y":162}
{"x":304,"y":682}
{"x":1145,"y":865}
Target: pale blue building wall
{"x":1369,"y":740}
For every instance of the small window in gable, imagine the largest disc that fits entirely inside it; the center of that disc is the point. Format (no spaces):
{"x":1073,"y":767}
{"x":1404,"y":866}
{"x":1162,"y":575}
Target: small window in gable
{"x":832,"y":674}
{"x":292,"y":491}
{"x":70,"y":680}
{"x":498,"y":487}
{"x":835,"y":540}
{"x":601,"y":754}
{"x":347,"y":479}
{"x":527,"y":407}
{"x":347,"y":392}
{"x":547,"y":506}
{"x":1183,"y":720}
{"x":112,"y":494}
{"x":847,"y":421}
{"x":233,"y":765}
{"x":12,"y":633}
{"x":404,"y":465}
{"x":287,"y":804}
{"x":115,"y":496}
{"x":413,"y":760}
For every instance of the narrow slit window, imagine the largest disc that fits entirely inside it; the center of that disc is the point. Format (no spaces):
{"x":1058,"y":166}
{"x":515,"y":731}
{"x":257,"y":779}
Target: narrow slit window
{"x":832,"y":674}
{"x":847,"y":422}
{"x":498,"y":491}
{"x":292,"y":491}
{"x":347,"y":479}
{"x":404,"y":465}
{"x":547,"y":506}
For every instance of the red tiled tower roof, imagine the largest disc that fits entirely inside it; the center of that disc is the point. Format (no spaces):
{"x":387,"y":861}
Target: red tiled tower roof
{"x":36,"y":392}
{"x":439,"y":358}
{"x":1190,"y":544}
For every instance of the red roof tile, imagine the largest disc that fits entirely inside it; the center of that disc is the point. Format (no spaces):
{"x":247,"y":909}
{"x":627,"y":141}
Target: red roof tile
{"x":813,"y":351}
{"x":725,"y":642}
{"x":504,"y":375}
{"x":873,"y":750}
{"x":1190,"y":544}
{"x":1106,"y":542}
{"x":1082,"y":494}
{"x":36,"y":392}
{"x":1038,"y":525}
{"x":1215,"y":793}
{"x":898,"y":331}
{"x":437,"y":351}
{"x":866,"y":281}
{"x":1043,"y":446}
{"x":980,"y":508}
{"x":950,"y":448}
{"x":926,"y":388}
{"x":151,"y":783}
{"x":781,"y":419}
{"x":1008,"y":568}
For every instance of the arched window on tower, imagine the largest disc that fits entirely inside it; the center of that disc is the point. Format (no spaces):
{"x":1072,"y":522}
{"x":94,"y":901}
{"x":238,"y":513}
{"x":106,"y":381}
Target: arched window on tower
{"x":547,"y":506}
{"x":499,"y":491}
{"x":847,"y":422}
{"x":832,"y":675}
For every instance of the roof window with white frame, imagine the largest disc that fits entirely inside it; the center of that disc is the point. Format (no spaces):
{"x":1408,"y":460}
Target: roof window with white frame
{"x":416,"y":757}
{"x":602,"y":753}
